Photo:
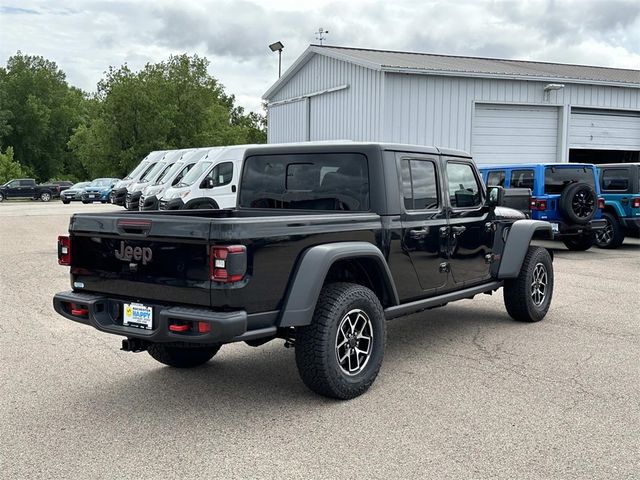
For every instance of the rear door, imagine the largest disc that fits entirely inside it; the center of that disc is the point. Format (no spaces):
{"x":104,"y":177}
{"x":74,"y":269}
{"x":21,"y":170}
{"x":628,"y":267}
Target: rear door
{"x":27,"y":188}
{"x":424,"y":220}
{"x":470,"y":224}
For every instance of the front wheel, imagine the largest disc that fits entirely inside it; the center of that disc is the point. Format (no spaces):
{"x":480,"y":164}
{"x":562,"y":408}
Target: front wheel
{"x":528,"y":297}
{"x":45,"y":196}
{"x":182,"y":357}
{"x":1,"y":197}
{"x":340,"y":353}
{"x":611,"y":236}
{"x":579,"y":243}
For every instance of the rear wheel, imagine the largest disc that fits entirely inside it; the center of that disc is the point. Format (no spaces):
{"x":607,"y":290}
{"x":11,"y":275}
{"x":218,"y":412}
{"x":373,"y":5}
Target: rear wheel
{"x":45,"y":196}
{"x":611,"y":236}
{"x":579,"y":243}
{"x":528,"y":297}
{"x":339,"y":355}
{"x":182,"y":357}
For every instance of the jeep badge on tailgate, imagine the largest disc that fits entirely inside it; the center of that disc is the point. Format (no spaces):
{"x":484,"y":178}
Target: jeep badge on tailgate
{"x":134,"y":253}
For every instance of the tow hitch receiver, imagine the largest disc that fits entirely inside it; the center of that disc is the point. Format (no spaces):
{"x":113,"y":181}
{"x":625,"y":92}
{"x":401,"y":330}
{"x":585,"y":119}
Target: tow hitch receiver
{"x":134,"y":345}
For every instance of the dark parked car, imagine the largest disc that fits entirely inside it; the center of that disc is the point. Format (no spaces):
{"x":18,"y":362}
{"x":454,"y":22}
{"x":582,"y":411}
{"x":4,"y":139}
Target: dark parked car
{"x":28,"y":188}
{"x":328,"y":241}
{"x":74,"y":193}
{"x":620,"y":185}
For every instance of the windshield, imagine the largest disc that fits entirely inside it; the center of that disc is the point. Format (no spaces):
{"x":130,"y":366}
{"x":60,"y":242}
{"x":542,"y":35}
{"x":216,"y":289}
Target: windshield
{"x":136,"y":171}
{"x":557,"y":178}
{"x":101,"y":182}
{"x":195,"y":173}
{"x":80,"y":185}
{"x":169,"y":172}
{"x":153,"y":171}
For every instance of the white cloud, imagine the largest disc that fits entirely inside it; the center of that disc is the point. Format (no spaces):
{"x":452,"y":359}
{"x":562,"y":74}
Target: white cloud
{"x":85,"y":37}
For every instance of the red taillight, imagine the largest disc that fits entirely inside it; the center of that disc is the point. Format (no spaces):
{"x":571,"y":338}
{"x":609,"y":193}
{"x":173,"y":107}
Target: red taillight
{"x":64,"y":250}
{"x":538,"y":204}
{"x":635,"y":202}
{"x":601,"y":203}
{"x":228,"y":263}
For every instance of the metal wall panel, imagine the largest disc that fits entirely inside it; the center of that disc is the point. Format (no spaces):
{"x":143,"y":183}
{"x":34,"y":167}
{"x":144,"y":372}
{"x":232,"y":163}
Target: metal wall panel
{"x":350,"y":114}
{"x":287,"y":122}
{"x":514,"y":134}
{"x":604,"y":130}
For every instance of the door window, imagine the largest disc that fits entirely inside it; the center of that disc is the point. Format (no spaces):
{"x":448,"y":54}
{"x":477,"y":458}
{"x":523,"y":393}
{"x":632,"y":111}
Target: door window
{"x":14,"y":184}
{"x":221,"y":174}
{"x":522,"y":179}
{"x":419,"y":185}
{"x":496,"y":178}
{"x":464,"y":190}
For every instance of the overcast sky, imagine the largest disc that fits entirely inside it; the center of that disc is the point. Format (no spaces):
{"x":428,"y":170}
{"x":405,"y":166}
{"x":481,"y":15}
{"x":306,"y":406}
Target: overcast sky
{"x":85,"y":37}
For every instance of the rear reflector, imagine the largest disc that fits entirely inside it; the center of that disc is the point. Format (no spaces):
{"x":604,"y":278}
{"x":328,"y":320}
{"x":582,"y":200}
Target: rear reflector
{"x":64,"y":250}
{"x":228,"y":263}
{"x":601,"y":203}
{"x":204,"y":327}
{"x":538,"y":204}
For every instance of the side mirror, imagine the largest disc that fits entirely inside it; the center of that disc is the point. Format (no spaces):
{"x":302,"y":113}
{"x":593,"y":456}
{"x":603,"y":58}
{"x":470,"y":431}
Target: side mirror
{"x":495,"y":196}
{"x":209,"y":183}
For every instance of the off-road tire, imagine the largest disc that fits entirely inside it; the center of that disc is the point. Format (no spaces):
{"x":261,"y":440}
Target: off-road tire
{"x":612,"y":235}
{"x":45,"y":196}
{"x":579,"y":243}
{"x":567,"y":197}
{"x":517,"y":292}
{"x":315,"y":344}
{"x":182,"y":357}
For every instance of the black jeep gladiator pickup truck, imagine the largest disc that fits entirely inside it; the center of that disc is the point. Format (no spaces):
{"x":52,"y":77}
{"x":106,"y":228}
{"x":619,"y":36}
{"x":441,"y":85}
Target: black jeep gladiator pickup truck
{"x":28,"y":188}
{"x":328,"y":241}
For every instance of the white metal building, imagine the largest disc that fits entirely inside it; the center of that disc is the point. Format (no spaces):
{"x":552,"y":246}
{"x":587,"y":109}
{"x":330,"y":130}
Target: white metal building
{"x":499,"y":110}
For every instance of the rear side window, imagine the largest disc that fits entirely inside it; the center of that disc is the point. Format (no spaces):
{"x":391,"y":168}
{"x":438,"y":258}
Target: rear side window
{"x":615,"y":179}
{"x":464,"y":190}
{"x":496,"y":178}
{"x":326,"y":181}
{"x":419,"y":185}
{"x":557,"y":178}
{"x":522,"y":179}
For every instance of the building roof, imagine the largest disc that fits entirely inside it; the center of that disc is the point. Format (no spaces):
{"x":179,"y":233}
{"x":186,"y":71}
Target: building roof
{"x":451,"y":65}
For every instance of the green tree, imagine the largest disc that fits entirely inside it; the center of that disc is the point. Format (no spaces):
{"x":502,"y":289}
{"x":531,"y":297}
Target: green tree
{"x":9,"y":168}
{"x":38,"y":113}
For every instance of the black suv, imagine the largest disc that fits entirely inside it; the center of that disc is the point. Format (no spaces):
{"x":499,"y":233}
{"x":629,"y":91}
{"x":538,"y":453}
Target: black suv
{"x":328,"y":241}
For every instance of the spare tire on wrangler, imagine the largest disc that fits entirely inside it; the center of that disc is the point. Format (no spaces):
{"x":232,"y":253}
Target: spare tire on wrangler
{"x":578,"y":203}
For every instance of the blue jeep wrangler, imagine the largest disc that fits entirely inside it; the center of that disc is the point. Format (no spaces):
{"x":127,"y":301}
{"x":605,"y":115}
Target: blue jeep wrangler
{"x":620,"y":185}
{"x":565,"y":194}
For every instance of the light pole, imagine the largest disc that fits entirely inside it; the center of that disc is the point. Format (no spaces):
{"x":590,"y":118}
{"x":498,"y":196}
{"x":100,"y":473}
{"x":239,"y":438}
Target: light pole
{"x":277,"y":47}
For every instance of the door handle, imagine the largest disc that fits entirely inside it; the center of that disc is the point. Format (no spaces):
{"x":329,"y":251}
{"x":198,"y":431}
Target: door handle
{"x":418,"y":234}
{"x":233,"y":188}
{"x":458,"y":230}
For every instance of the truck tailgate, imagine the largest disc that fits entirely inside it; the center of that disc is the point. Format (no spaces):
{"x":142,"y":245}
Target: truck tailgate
{"x":155,"y":257}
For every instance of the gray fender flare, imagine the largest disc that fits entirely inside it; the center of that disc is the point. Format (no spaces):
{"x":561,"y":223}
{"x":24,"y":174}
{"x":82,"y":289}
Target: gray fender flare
{"x":515,"y":249}
{"x":311,"y":271}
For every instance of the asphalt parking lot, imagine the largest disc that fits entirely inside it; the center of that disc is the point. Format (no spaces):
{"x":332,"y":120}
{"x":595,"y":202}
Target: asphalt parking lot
{"x":464,"y":392}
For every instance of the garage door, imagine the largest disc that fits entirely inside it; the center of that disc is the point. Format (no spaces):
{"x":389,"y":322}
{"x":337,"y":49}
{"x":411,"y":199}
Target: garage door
{"x":287,"y":122}
{"x":514,"y":134}
{"x":604,"y":130}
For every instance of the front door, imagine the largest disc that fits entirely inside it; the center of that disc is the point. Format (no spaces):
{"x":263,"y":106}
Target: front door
{"x":424,"y":222}
{"x":13,"y":189}
{"x":470,"y":224}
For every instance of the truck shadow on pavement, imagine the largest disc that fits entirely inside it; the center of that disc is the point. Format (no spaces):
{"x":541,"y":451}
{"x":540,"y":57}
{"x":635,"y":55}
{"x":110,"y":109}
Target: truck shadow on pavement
{"x":241,"y":379}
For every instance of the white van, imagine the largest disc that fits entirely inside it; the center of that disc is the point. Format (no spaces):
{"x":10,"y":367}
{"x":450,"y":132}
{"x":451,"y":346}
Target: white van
{"x":211,"y":183}
{"x":135,"y":191}
{"x":118,"y":195}
{"x":171,"y":177}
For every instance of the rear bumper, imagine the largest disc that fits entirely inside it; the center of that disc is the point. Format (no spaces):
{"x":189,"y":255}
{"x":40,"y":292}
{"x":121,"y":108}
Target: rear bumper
{"x":571,"y":229}
{"x":631,"y":225}
{"x":105,"y":314}
{"x":149,"y":203}
{"x":119,"y":196}
{"x":175,"y":204}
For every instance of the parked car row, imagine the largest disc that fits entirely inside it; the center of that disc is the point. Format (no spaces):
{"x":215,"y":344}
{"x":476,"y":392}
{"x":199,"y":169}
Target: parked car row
{"x":88,"y":192}
{"x":585,"y":204}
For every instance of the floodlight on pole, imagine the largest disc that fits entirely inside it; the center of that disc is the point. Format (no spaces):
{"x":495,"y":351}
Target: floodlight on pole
{"x":277,"y":47}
